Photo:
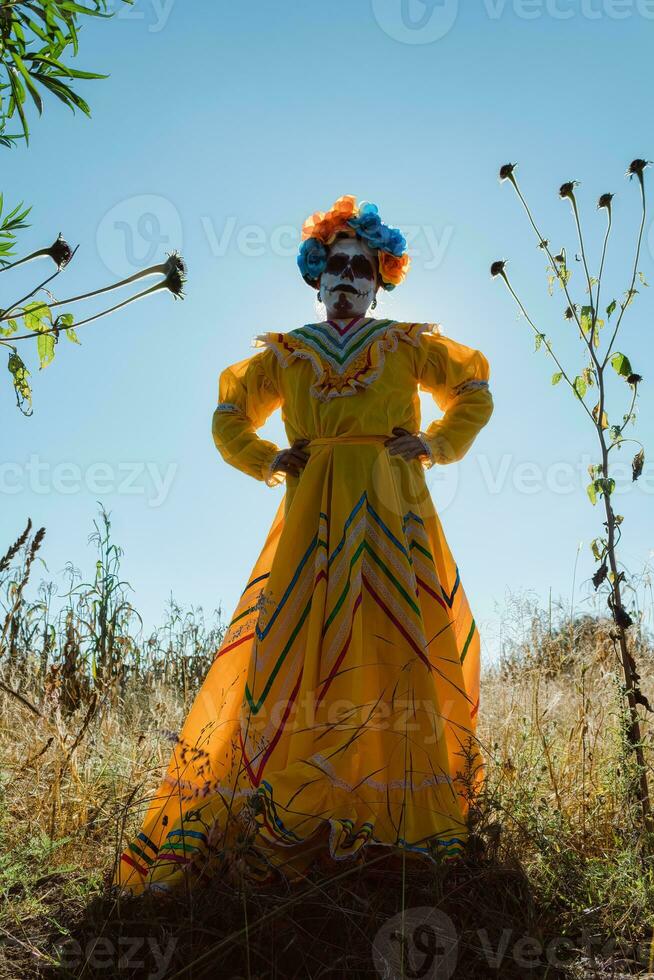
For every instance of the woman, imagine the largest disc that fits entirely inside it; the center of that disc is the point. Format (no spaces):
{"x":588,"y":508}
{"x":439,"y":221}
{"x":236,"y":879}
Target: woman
{"x":340,"y":711}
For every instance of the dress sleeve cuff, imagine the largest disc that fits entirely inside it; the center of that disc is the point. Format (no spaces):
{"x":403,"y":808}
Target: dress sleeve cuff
{"x":437,"y":446}
{"x":272,"y":476}
{"x":428,"y":458}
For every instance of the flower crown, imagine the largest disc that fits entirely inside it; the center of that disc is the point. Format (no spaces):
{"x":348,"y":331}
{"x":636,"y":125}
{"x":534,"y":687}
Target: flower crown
{"x":322,"y":228}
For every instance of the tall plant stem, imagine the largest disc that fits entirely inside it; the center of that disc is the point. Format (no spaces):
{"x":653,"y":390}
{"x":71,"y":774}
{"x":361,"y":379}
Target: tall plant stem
{"x":609,"y":223}
{"x":635,"y":270}
{"x":153,"y":270}
{"x":543,"y":241}
{"x":640,"y":789}
{"x":632,"y":689}
{"x":89,"y":319}
{"x":531,"y":323}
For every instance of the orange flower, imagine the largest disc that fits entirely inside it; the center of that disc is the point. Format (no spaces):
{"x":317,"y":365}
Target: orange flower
{"x":326,"y":225}
{"x":312,"y":222}
{"x":393,"y":268}
{"x":345,"y":208}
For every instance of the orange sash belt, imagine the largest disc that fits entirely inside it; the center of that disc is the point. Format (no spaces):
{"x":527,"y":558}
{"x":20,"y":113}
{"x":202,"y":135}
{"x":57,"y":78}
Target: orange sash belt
{"x":346,"y":440}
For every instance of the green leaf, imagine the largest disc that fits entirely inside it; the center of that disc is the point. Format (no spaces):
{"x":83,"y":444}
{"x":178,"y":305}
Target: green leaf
{"x":37,"y":316}
{"x":592,"y":493}
{"x":557,"y":377}
{"x":539,"y":338}
{"x":20,"y":374}
{"x":621,"y":364}
{"x":12,"y":327}
{"x":586,"y":319}
{"x":45,"y":346}
{"x":642,"y":279}
{"x":31,"y":87}
{"x":580,"y":387}
{"x":65,"y":321}
{"x":610,"y":309}
{"x":605,"y":487}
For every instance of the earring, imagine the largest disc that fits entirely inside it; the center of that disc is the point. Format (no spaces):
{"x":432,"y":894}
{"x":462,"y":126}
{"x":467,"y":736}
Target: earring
{"x":374,"y":303}
{"x":319,"y":297}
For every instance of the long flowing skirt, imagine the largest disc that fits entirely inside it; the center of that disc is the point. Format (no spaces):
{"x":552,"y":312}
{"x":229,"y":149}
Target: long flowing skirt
{"x":340,"y":711}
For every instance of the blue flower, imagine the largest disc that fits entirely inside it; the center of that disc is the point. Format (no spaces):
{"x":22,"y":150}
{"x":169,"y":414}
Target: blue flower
{"x":368,"y":223}
{"x":312,"y":258}
{"x":394,"y":241}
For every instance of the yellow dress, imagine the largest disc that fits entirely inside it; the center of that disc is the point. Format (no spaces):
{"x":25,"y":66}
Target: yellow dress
{"x":340,"y":711}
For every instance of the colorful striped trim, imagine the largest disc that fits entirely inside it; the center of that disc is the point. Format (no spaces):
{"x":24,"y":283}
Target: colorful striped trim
{"x":343,"y":364}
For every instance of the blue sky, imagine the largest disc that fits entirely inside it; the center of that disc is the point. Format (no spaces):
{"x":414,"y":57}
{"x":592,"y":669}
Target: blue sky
{"x":220,"y":128}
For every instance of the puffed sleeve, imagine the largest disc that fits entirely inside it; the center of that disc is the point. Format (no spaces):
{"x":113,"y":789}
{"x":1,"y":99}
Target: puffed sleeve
{"x":247,"y":395}
{"x":457,"y":378}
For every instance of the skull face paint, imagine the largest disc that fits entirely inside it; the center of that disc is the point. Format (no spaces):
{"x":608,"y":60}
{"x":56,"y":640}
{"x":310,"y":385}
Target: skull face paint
{"x":349,"y":282}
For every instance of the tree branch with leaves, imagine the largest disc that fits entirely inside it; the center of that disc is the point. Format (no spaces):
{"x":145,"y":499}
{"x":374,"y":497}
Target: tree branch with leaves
{"x":30,"y":318}
{"x":35,"y":37}
{"x":601,"y":356}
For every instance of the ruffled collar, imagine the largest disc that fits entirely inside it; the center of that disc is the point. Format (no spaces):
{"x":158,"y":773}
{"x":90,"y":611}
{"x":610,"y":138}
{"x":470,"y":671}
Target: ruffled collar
{"x":344,"y":360}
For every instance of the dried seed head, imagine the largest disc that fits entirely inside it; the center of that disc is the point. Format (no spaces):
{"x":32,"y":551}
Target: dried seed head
{"x":568,"y":189}
{"x":175,"y":263}
{"x":636,"y":168}
{"x":506,"y":171}
{"x":605,"y":201}
{"x":634,"y":379}
{"x":497,"y":268}
{"x":569,"y":313}
{"x":175,"y":275}
{"x":60,"y":252}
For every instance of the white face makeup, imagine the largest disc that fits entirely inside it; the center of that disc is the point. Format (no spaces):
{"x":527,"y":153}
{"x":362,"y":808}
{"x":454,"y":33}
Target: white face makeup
{"x":349,"y":282}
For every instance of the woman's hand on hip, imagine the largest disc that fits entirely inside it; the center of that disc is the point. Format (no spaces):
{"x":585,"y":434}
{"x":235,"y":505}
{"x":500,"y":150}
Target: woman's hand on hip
{"x":404,"y":444}
{"x":294,"y":460}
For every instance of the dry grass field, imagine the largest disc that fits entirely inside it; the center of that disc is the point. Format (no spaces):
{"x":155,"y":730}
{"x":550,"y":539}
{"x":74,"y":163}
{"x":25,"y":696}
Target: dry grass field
{"x":556,"y":882}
